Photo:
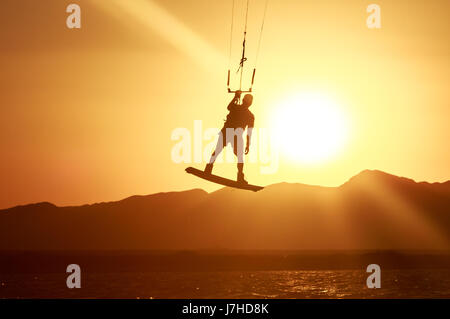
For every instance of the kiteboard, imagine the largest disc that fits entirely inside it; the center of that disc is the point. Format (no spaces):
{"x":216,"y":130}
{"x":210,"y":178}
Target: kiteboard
{"x":222,"y":181}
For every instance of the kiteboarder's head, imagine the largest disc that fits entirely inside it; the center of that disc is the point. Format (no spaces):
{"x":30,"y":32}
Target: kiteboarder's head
{"x":247,"y":101}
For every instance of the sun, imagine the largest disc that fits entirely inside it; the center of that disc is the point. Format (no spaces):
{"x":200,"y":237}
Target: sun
{"x":309,"y":127}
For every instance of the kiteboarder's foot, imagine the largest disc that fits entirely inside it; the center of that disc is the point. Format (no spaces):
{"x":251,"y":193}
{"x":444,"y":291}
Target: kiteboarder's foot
{"x":240,"y":178}
{"x":208,"y":169}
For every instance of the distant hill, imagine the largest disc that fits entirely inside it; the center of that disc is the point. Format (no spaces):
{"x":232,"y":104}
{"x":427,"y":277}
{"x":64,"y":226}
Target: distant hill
{"x":373,"y":210}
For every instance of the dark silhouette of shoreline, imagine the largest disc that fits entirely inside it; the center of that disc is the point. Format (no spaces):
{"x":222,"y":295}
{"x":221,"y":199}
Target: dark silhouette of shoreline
{"x":187,"y":261}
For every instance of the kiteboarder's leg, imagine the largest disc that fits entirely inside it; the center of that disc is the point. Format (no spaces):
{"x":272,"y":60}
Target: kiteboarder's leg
{"x":238,"y":148}
{"x":217,"y":151}
{"x":240,"y":174}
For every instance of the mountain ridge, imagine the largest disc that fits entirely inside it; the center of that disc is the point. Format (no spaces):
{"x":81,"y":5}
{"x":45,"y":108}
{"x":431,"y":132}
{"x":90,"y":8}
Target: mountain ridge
{"x":372,"y":210}
{"x":364,"y":173}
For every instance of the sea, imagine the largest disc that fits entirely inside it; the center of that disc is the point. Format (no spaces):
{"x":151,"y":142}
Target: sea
{"x":285,"y":284}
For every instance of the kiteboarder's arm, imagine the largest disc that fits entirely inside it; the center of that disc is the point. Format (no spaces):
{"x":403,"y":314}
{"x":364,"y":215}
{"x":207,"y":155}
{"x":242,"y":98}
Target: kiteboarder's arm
{"x":235,"y":100}
{"x":249,"y":137}
{"x":249,"y":134}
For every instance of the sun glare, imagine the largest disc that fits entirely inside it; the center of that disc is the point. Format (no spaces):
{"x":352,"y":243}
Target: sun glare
{"x":309,"y":128}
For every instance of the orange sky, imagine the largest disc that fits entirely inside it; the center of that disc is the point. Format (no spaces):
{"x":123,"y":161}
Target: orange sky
{"x":87,"y":115}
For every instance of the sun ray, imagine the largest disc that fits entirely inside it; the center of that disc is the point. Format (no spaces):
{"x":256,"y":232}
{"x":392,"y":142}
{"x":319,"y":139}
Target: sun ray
{"x":157,"y":19}
{"x":406,"y":215}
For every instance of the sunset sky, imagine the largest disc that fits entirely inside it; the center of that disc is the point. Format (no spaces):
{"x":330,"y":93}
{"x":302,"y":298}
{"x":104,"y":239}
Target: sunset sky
{"x":87,"y":115}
